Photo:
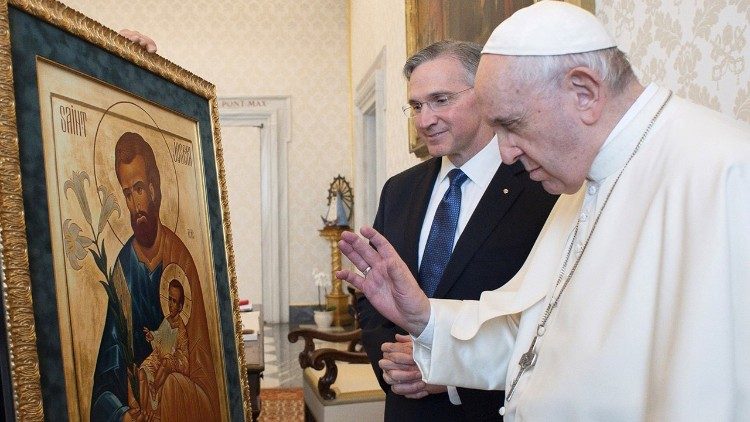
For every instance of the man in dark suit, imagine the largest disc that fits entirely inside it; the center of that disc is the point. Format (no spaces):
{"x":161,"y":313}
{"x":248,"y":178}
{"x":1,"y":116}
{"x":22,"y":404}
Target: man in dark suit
{"x":501,"y":214}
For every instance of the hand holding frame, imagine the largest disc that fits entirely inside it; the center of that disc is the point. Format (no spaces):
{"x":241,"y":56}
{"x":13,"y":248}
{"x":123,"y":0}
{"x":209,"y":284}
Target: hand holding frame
{"x":388,"y":285}
{"x":144,"y":41}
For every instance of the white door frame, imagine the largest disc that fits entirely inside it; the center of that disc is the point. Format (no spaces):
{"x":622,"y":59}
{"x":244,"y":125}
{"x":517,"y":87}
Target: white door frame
{"x":273,"y":115}
{"x":369,"y":99}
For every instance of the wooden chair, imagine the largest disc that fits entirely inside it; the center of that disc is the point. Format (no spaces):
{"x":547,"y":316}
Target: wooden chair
{"x":338,"y":381}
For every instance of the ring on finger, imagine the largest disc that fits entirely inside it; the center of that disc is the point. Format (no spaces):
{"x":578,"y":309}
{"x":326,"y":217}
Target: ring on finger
{"x":366,"y":271}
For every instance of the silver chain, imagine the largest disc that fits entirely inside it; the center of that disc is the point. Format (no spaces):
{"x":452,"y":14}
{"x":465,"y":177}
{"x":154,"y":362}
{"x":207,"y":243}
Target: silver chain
{"x":529,"y":358}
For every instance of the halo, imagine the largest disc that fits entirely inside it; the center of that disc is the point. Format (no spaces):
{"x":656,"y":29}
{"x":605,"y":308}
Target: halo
{"x":172,"y":272}
{"x":119,"y":118}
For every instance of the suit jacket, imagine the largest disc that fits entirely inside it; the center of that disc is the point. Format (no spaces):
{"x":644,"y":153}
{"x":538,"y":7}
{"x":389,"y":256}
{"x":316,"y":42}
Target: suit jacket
{"x":490,"y":250}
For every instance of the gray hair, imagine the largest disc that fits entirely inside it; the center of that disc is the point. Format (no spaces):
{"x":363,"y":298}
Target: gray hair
{"x":468,"y":53}
{"x":545,"y":72}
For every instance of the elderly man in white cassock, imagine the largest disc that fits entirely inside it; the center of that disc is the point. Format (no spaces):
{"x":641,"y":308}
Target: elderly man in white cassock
{"x":634,"y":303}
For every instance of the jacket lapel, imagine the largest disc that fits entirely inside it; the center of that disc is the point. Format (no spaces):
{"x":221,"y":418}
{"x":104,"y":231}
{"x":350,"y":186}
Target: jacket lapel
{"x":489,"y":212}
{"x":417,"y":208}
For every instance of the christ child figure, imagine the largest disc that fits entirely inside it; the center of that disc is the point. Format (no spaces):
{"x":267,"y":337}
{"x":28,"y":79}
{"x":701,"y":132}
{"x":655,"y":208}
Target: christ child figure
{"x":170,"y":350}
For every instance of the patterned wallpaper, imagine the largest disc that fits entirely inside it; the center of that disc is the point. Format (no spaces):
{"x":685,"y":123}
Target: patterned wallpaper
{"x":266,"y":47}
{"x":697,"y":48}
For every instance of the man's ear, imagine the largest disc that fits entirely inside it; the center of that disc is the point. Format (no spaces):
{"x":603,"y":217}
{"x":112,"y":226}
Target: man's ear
{"x":589,"y":93}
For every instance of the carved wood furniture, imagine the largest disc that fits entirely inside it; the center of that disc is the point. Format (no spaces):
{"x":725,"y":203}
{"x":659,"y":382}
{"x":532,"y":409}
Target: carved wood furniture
{"x":338,"y":381}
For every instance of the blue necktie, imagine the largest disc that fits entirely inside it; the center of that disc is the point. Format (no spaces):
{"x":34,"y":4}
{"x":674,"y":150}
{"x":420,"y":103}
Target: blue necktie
{"x":437,"y":251}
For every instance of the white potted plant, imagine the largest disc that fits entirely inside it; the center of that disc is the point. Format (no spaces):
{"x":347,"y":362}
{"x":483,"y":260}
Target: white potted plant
{"x":322,"y":314}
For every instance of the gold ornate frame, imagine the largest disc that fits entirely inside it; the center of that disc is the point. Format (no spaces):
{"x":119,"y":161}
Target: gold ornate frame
{"x":15,"y":275}
{"x":429,"y":21}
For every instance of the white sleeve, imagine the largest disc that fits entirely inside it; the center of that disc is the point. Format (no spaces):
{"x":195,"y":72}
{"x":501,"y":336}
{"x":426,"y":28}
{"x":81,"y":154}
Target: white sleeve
{"x":446,"y":360}
{"x":424,"y":341}
{"x":425,"y":338}
{"x":453,"y":395}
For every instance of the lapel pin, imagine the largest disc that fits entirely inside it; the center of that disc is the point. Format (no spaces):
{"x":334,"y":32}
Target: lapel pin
{"x":505,"y":191}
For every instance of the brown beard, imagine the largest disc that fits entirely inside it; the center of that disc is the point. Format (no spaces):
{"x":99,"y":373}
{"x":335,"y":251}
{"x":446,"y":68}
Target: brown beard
{"x":145,"y":232}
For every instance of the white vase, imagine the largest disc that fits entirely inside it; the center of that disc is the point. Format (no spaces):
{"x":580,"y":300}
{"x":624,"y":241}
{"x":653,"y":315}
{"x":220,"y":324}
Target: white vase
{"x":323,"y":319}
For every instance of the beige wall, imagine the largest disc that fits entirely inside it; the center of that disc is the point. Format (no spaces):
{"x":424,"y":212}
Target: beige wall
{"x":700,"y":52}
{"x":245,"y":142}
{"x":266,"y":47}
{"x":376,"y":26}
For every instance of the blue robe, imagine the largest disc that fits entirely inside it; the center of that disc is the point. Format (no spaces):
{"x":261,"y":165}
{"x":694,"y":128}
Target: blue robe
{"x":109,"y":400}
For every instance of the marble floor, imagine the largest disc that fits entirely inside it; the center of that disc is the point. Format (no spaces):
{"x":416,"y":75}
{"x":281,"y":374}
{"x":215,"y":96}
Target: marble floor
{"x":282,"y":367}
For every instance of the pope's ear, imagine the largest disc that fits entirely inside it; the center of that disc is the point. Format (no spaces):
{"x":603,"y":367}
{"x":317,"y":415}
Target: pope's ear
{"x":588,"y":90}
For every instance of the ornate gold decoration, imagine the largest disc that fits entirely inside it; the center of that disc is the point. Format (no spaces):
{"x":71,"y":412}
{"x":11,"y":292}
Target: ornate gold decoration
{"x":19,"y":309}
{"x":231,"y":269}
{"x":16,"y":279}
{"x":340,"y":201}
{"x":337,"y":297}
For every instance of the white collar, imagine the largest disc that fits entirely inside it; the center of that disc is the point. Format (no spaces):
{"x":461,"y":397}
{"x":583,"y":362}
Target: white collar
{"x":627,"y":133}
{"x":480,"y":168}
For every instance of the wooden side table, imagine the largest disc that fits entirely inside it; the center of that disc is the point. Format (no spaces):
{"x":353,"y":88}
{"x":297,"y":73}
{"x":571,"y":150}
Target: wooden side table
{"x":255,"y":365}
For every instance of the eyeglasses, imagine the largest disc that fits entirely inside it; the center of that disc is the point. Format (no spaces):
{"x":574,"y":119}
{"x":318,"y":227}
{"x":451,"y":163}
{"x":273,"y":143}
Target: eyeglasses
{"x":437,"y":103}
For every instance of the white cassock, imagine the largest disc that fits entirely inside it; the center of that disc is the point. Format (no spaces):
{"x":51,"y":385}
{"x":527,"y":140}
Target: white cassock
{"x":655,"y":323}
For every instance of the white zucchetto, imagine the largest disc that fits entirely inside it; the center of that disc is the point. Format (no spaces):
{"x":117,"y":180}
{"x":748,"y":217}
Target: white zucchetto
{"x":549,"y":28}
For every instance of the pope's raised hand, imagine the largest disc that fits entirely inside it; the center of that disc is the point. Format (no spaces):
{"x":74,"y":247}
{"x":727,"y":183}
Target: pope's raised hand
{"x":387,"y":282}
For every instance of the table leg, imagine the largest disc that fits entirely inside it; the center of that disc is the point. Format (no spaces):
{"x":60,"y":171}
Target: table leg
{"x":253,"y":378}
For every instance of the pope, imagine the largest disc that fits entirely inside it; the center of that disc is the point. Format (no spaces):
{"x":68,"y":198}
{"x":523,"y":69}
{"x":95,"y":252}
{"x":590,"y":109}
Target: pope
{"x":634,"y":303}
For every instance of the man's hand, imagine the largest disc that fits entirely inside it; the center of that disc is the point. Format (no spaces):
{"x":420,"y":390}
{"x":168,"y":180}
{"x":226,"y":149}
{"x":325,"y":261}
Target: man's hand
{"x":388,"y":284}
{"x":144,"y":41}
{"x":400,"y":371}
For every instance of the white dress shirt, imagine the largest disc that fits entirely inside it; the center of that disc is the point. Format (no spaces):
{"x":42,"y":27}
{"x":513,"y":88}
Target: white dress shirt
{"x":480,"y":170}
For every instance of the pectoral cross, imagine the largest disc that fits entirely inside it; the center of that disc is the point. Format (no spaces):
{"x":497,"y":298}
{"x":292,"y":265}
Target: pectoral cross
{"x":527,"y":361}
